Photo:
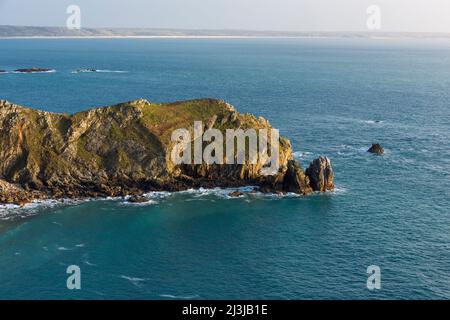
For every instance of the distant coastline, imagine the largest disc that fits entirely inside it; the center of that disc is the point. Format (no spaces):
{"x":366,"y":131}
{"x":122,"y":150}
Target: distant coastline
{"x":30,"y":32}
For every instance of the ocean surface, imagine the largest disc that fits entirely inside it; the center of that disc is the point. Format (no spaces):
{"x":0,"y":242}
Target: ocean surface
{"x":331,"y":97}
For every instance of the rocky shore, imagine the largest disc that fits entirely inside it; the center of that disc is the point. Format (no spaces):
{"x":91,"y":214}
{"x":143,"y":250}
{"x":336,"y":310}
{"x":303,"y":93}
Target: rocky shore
{"x":124,"y":150}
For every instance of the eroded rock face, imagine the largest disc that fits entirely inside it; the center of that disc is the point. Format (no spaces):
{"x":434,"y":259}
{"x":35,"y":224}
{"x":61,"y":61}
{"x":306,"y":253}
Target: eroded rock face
{"x":320,"y":174}
{"x":376,"y":148}
{"x":14,"y":194}
{"x":295,"y":179}
{"x":125,"y":150}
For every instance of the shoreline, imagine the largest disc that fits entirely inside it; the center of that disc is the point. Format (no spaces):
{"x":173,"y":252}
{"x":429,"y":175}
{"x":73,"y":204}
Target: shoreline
{"x":213,"y":37}
{"x":170,"y":37}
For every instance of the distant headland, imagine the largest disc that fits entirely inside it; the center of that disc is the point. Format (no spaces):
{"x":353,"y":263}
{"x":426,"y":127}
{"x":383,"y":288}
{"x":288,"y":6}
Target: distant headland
{"x":7,"y":31}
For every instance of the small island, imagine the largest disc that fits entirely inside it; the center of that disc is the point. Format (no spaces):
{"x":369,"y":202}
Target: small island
{"x":33,"y":70}
{"x":124,"y":151}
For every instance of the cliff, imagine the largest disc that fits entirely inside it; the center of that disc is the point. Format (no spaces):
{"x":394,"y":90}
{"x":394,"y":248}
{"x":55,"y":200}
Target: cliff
{"x":125,"y":149}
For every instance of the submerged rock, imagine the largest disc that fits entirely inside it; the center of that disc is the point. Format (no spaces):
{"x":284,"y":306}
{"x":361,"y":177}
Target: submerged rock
{"x":125,"y":149}
{"x":137,"y":199}
{"x":320,"y":174}
{"x":236,"y":194}
{"x":376,"y":148}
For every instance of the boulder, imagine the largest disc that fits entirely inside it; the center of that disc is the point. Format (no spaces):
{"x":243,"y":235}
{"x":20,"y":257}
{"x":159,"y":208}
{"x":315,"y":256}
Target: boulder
{"x":376,"y":148}
{"x":236,"y":194}
{"x":138,"y":199}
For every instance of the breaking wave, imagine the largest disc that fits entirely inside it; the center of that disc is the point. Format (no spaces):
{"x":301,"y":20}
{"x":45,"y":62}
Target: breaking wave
{"x":171,"y":296}
{"x":302,"y":154}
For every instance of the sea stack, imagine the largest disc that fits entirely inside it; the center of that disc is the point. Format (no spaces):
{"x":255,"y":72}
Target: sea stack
{"x":320,"y":174}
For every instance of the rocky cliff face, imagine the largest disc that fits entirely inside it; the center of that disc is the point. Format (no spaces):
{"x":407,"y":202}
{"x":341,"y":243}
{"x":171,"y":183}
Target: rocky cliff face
{"x":124,"y":149}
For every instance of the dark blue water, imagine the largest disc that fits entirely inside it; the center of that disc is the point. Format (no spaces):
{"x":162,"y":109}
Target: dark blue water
{"x":326,"y":96}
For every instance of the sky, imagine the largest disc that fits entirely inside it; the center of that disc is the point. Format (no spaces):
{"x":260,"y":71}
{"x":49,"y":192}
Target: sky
{"x":277,"y":15}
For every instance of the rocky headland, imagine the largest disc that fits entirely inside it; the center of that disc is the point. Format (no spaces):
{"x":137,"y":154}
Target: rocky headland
{"x":124,"y":150}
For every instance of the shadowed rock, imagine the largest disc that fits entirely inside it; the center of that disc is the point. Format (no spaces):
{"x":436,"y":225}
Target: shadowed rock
{"x":295,"y":179}
{"x":320,"y":174}
{"x":376,"y":148}
{"x":138,"y":199}
{"x":32,"y":70}
{"x":236,"y":194}
{"x":14,"y":194}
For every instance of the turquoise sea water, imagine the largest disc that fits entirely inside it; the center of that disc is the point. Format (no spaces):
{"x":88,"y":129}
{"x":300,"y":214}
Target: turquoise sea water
{"x":331,"y":97}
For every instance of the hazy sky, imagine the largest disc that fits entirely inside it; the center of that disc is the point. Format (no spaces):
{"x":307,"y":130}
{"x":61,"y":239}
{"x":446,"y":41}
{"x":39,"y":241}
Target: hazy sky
{"x":296,"y":15}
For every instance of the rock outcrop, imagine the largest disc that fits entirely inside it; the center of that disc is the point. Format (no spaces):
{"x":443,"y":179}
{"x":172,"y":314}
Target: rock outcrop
{"x":138,"y":199}
{"x":320,"y":174}
{"x":125,"y":150}
{"x":14,"y":194}
{"x":236,"y":194}
{"x":32,"y":70}
{"x":376,"y":148}
{"x":295,"y":180}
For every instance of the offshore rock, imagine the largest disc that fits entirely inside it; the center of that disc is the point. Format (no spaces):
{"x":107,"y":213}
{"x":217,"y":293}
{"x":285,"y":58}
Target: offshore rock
{"x":295,"y":179}
{"x":320,"y":174}
{"x":33,"y":70}
{"x":138,"y":199}
{"x":376,"y":148}
{"x":236,"y":194}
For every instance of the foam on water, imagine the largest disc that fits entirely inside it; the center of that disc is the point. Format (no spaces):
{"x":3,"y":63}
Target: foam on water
{"x":99,"y":71}
{"x":12,"y":211}
{"x":187,"y":297}
{"x":302,"y":154}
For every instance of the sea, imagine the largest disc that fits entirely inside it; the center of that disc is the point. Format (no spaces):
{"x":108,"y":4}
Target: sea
{"x":332,"y":97}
